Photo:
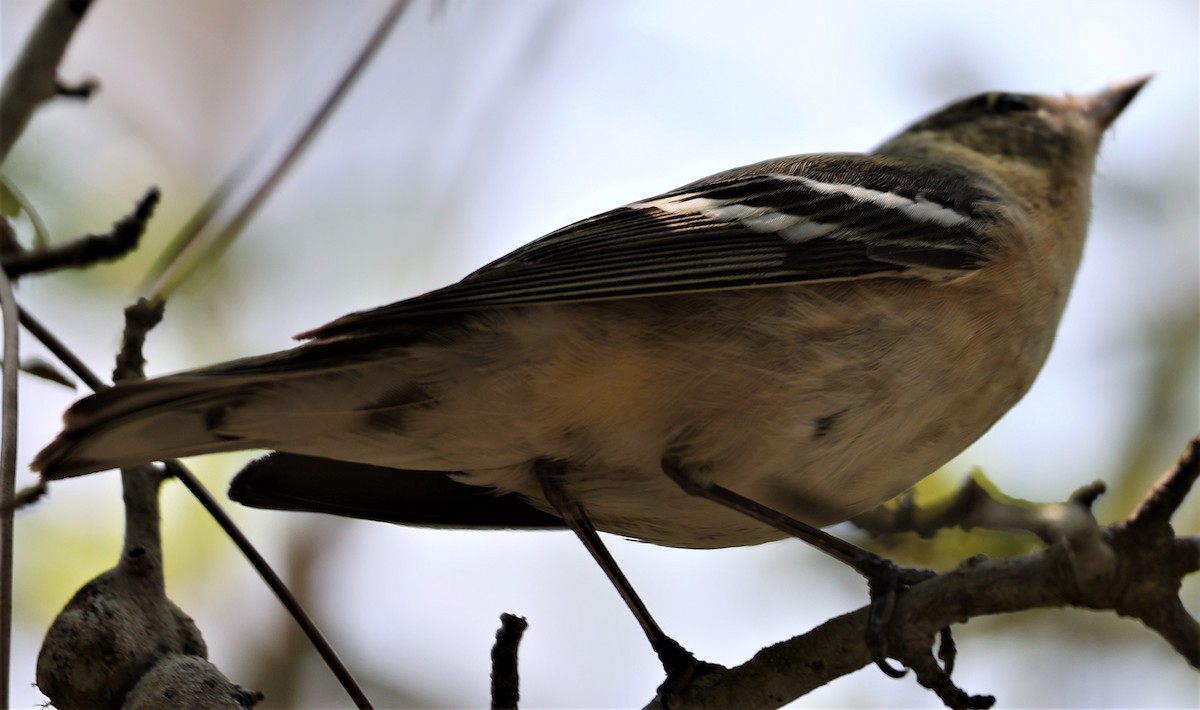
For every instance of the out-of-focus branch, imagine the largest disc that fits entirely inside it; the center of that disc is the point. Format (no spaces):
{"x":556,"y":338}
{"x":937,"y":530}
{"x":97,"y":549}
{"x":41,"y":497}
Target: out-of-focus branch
{"x":8,"y":474}
{"x":200,"y":237}
{"x":33,"y":79}
{"x":88,"y":249}
{"x":973,"y":506}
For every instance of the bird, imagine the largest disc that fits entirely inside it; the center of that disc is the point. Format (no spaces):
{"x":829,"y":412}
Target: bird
{"x":810,"y":334}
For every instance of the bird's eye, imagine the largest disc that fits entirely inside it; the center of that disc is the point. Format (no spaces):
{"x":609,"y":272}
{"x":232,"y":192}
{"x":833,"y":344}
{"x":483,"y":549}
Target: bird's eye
{"x":1011,"y":103}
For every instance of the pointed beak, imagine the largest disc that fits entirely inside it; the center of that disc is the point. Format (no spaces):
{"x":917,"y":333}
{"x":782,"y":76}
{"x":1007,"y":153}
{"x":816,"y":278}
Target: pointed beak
{"x":1104,"y":106}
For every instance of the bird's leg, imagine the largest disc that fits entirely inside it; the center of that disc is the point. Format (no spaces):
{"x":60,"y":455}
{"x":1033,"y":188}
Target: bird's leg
{"x":885,"y":580}
{"x":679,"y":663}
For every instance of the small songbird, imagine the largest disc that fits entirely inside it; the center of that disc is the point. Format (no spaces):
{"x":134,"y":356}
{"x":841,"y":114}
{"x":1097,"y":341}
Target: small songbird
{"x":819,"y":332}
{"x":814,"y":333}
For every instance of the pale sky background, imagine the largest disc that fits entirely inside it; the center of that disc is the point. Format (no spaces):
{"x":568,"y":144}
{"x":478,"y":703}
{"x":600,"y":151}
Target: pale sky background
{"x":483,"y":125}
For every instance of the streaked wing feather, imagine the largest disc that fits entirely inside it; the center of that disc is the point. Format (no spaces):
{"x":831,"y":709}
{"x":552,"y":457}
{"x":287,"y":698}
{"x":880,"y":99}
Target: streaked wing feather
{"x":790,"y":221}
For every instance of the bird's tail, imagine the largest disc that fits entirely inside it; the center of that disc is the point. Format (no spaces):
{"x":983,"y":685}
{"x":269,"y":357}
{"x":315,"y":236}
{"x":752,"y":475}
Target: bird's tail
{"x":150,"y":420}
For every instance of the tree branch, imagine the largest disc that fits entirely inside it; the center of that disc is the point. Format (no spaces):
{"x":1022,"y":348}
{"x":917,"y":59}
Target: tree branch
{"x":8,"y":474}
{"x":33,"y":79}
{"x":173,"y":264}
{"x":1148,"y":564}
{"x":1168,"y":492}
{"x":88,"y":249}
{"x":506,"y":683}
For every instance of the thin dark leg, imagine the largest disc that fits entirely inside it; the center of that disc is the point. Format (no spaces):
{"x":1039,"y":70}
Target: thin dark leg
{"x":677,"y":661}
{"x":884,"y":578}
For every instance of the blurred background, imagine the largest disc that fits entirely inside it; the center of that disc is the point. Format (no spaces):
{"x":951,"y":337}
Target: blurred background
{"x":482,"y":125}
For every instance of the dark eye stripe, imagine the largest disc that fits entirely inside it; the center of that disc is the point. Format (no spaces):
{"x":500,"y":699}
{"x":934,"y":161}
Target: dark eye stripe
{"x":1011,"y":103}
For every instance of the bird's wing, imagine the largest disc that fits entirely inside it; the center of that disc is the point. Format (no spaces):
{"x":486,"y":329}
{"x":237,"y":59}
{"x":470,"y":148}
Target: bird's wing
{"x":794,"y":220}
{"x":791,"y":221}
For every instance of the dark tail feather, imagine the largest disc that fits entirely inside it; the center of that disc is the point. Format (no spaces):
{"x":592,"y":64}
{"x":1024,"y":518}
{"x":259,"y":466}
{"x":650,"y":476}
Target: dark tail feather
{"x":353,"y":490}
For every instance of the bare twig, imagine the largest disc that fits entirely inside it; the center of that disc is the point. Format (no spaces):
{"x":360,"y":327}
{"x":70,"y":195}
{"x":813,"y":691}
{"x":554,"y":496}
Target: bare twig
{"x":140,"y":319}
{"x":1150,"y":525}
{"x":33,"y":79}
{"x":88,"y":249}
{"x":1070,"y":523}
{"x":173,"y":266}
{"x":29,"y":495}
{"x":1168,"y":493}
{"x":60,"y":351}
{"x":8,"y":475}
{"x":506,"y":683}
{"x":44,"y":369}
{"x":79,"y":90}
{"x":277,"y":585}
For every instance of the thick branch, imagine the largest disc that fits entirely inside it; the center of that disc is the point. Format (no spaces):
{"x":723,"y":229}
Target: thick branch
{"x":788,"y":670}
{"x":506,"y":682}
{"x":1147,"y":567}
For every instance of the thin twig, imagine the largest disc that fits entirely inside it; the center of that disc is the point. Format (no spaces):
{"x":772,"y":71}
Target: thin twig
{"x":79,"y":90}
{"x":277,"y":585}
{"x":29,"y":495}
{"x":172,"y":267}
{"x":44,"y":369}
{"x":59,"y":350}
{"x":140,"y":319}
{"x":8,"y":475}
{"x":1168,"y":492}
{"x":33,"y":79}
{"x":88,"y":249}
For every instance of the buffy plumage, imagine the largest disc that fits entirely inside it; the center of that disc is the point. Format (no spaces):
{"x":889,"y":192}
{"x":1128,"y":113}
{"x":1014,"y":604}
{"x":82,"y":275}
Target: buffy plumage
{"x":816,"y":333}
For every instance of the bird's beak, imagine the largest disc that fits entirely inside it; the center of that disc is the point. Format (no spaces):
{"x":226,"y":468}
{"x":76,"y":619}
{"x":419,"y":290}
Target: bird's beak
{"x":1103,"y":107}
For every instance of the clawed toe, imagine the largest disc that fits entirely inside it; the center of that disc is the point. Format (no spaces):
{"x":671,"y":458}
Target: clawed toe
{"x":887,"y":582}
